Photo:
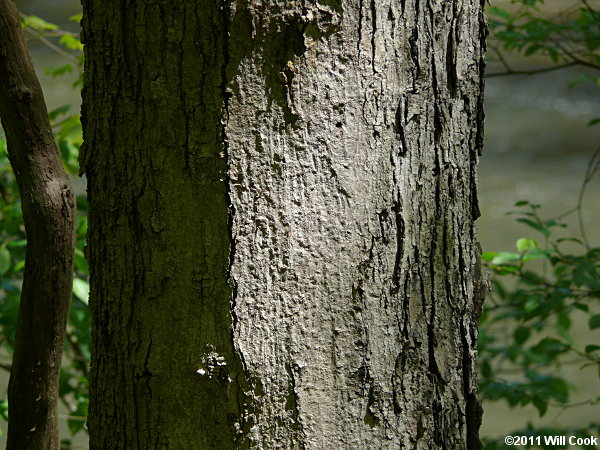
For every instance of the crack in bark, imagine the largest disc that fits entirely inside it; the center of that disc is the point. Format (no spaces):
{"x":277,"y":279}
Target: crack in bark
{"x":292,"y":405}
{"x":396,"y":208}
{"x":473,"y":409}
{"x":373,"y":32}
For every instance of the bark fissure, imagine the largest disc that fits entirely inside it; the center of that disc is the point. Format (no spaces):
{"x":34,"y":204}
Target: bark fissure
{"x":373,"y":34}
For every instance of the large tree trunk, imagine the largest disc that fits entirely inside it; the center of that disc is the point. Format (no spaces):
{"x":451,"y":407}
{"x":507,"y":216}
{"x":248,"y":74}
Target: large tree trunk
{"x":282,"y":206}
{"x":49,"y":209}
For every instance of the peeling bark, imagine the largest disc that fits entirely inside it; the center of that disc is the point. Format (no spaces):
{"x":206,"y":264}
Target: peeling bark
{"x":283,"y":197}
{"x":48,"y":205}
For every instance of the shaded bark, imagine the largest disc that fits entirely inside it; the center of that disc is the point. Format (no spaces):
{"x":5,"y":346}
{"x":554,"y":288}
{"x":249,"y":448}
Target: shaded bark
{"x":48,"y":207}
{"x":282,"y":206}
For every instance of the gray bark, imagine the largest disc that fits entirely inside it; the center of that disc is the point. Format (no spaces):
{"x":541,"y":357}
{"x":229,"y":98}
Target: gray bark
{"x":353,"y":186}
{"x":283,"y":245}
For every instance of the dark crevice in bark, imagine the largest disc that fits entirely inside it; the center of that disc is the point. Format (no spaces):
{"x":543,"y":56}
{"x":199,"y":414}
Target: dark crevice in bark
{"x":451,"y":77}
{"x":292,"y":405}
{"x":447,"y":260}
{"x":437,"y":117}
{"x":480,"y":118}
{"x":360,"y":26}
{"x":182,"y":96}
{"x":396,"y":208}
{"x":370,"y":418}
{"x":382,"y":217}
{"x":396,"y":375}
{"x":473,"y":409}
{"x":413,"y":42}
{"x":400,"y":121}
{"x":406,"y":309}
{"x":373,"y":32}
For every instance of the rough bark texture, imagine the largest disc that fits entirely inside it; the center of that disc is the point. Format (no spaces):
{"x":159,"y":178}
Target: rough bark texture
{"x":283,"y":197}
{"x":48,"y":207}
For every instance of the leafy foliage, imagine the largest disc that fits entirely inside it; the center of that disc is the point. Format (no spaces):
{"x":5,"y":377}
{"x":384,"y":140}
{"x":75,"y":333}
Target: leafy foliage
{"x":568,"y":37}
{"x":539,"y":290}
{"x":526,"y":330}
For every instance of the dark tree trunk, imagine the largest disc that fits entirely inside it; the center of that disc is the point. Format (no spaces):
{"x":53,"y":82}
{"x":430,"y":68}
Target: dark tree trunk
{"x":282,"y":205}
{"x":48,"y":207}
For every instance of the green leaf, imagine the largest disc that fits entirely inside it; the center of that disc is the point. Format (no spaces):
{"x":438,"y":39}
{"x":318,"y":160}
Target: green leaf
{"x":71,"y":42}
{"x":540,"y":405}
{"x":80,"y":262}
{"x":57,"y":71}
{"x":37,"y":23}
{"x":488,"y":256}
{"x":69,"y":153}
{"x":563,"y":321}
{"x":591,"y":348}
{"x":17,"y":243}
{"x":81,"y":290}
{"x":531,"y":304}
{"x":52,"y":115}
{"x":4,"y":260}
{"x":4,"y":409}
{"x":534,"y":225}
{"x":521,"y":334}
{"x":19,"y":266}
{"x":536,"y":253}
{"x":3,"y":149}
{"x":70,"y":130}
{"x":76,"y":18}
{"x":525,"y":244}
{"x":532,"y":49}
{"x":505,"y":257}
{"x":593,"y":122}
{"x":594,"y":322}
{"x":500,"y":12}
{"x":578,"y":241}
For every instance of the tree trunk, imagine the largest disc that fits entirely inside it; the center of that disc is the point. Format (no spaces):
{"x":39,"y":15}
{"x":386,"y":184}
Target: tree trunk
{"x":282,"y":205}
{"x":49,"y":209}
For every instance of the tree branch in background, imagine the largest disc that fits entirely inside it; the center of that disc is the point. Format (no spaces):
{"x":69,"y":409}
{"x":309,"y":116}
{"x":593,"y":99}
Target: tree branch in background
{"x":531,"y":72}
{"x":55,"y":48}
{"x":575,"y":61}
{"x":48,"y":207}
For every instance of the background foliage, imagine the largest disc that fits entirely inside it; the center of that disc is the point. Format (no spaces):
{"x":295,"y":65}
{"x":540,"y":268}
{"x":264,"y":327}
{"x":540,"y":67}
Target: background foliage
{"x":547,"y":283}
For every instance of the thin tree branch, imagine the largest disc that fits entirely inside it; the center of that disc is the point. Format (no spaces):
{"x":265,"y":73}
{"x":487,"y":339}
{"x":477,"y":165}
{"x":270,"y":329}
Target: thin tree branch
{"x":592,"y":168}
{"x":534,"y":71}
{"x":48,"y":205}
{"x":55,"y":48}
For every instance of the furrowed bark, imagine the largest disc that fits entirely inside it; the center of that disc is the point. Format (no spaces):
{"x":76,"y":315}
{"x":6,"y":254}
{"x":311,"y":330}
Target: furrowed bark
{"x":282,"y":207}
{"x":48,"y":207}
